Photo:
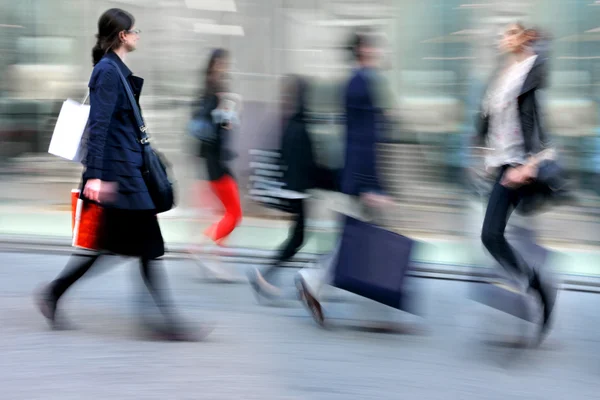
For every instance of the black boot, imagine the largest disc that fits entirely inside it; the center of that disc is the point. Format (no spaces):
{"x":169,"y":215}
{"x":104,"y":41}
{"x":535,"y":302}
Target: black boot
{"x":547,"y":295}
{"x":176,"y":330}
{"x":47,"y":302}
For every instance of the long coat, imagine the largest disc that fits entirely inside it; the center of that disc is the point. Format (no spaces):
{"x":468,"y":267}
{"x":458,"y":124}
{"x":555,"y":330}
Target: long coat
{"x":362,"y":116}
{"x":114,"y":153}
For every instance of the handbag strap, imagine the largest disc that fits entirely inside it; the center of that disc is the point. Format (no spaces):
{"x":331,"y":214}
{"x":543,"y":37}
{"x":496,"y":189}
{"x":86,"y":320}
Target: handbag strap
{"x":143,"y":137}
{"x":87,"y":96}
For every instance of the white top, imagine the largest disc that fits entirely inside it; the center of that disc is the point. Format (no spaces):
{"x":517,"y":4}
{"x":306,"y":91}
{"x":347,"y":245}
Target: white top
{"x":505,"y":136}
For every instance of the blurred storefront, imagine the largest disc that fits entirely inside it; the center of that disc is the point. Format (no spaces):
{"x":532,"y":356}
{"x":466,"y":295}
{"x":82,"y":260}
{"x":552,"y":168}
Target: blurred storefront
{"x":440,"y":54}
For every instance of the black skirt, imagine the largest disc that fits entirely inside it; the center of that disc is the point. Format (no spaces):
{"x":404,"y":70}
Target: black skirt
{"x":133,"y":233}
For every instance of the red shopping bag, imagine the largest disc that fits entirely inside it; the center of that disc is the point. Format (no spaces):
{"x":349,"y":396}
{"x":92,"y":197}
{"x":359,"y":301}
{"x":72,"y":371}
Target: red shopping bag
{"x":86,"y":222}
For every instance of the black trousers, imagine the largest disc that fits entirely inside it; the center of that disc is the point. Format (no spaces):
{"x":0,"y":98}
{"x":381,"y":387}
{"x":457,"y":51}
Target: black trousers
{"x":295,"y":238}
{"x":324,"y":179}
{"x":151,"y":271}
{"x":501,"y":204}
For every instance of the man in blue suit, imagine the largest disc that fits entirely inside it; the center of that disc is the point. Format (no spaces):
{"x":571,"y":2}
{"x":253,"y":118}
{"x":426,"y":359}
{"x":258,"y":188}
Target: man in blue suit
{"x":359,"y":178}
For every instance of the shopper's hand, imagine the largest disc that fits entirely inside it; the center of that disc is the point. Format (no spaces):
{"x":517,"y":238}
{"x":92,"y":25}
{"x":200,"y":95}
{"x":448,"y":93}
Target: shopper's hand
{"x":530,"y":171}
{"x":376,"y":200}
{"x":100,"y":191}
{"x":518,"y":176}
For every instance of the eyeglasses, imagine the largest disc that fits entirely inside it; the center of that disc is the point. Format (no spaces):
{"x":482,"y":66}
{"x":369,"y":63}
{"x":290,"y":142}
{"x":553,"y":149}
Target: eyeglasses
{"x":135,"y":31}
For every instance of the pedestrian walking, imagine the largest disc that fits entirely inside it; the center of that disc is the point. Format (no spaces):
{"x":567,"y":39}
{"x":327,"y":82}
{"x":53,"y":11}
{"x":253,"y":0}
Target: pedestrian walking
{"x":301,"y":173}
{"x":511,"y":124}
{"x":360,"y":179}
{"x":114,"y":179}
{"x":217,"y":109}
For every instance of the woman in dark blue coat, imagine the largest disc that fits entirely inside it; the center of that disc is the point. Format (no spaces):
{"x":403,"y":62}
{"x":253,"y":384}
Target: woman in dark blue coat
{"x":113,"y":175}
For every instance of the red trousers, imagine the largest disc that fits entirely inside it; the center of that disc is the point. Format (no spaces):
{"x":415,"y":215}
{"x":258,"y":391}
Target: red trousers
{"x":225,"y":188}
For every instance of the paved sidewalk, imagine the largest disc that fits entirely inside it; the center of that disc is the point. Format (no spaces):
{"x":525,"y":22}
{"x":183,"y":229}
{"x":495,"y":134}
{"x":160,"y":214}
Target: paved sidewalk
{"x":277,"y":352}
{"x":179,"y":229}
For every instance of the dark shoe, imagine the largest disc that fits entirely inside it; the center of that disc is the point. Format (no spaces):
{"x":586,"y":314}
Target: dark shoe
{"x":46,"y":303}
{"x":547,"y":293}
{"x":310,"y":301}
{"x":393,"y":328}
{"x":176,"y":332}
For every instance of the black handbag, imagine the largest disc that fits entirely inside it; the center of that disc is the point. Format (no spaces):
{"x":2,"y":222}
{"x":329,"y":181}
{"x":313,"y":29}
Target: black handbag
{"x":155,"y":172}
{"x":550,"y":188}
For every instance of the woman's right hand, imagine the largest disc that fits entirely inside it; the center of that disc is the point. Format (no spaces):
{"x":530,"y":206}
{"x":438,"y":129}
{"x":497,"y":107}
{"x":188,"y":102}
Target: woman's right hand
{"x":376,"y":200}
{"x":99,"y":191}
{"x":518,"y":176}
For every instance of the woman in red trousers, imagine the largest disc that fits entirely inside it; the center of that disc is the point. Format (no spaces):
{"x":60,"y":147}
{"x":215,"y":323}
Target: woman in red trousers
{"x":216,"y":106}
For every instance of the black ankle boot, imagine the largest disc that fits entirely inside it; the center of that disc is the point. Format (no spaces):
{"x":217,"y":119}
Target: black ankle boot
{"x":46,"y":302}
{"x":547,"y":295}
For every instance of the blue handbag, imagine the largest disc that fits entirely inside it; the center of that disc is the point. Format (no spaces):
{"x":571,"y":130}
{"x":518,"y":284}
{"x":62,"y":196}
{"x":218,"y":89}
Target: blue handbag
{"x":202,"y":129}
{"x":155,"y":169}
{"x":373,"y":262}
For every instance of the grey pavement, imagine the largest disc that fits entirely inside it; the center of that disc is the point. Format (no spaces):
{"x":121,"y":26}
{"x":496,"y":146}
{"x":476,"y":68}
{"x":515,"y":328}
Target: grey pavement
{"x":276,"y":351}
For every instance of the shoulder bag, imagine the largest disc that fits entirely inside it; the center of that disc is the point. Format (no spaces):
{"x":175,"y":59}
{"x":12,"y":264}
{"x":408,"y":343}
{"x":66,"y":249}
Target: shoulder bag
{"x":155,"y":169}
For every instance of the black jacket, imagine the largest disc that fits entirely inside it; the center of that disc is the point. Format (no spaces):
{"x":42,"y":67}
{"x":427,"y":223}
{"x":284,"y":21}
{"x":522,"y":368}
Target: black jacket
{"x":534,"y":134}
{"x":297,"y":151}
{"x":216,"y":153}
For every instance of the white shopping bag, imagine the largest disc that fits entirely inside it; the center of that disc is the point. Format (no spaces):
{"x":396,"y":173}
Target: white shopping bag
{"x":68,"y":138}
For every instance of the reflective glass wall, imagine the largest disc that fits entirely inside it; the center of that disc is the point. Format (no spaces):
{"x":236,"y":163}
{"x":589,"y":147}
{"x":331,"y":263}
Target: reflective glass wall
{"x":439,"y":56}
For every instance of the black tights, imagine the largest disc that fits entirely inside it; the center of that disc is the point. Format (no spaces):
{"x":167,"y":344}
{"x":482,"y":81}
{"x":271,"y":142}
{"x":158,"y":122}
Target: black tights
{"x":324,"y":179}
{"x":150,"y":270}
{"x":294,"y":241}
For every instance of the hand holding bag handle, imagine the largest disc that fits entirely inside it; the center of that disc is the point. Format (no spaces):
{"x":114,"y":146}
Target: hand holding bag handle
{"x":551,"y":185}
{"x":155,"y":167}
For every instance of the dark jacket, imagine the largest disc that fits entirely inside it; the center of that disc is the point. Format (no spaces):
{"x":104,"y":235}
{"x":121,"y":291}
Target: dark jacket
{"x":215,"y":153}
{"x":362,"y":115}
{"x":534,"y":134}
{"x":114,"y":153}
{"x":297,"y":151}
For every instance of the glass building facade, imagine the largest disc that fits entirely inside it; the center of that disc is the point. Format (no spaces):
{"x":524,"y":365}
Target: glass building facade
{"x":440,"y":54}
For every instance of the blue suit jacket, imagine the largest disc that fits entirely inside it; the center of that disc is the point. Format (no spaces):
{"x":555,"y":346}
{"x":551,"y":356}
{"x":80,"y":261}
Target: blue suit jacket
{"x":360,"y":168}
{"x":114,"y":153}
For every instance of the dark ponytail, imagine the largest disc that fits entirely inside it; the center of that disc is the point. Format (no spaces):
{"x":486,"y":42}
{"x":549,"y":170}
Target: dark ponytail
{"x":97,"y":52}
{"x":110,"y":25}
